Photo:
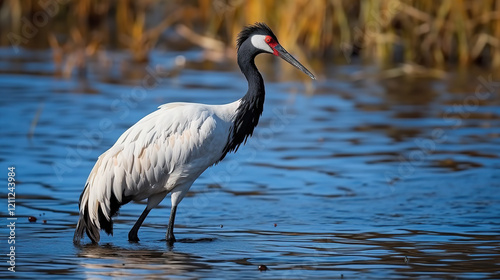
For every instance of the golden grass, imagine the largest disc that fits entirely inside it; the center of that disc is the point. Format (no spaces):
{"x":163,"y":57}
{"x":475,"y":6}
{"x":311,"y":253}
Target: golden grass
{"x":427,"y":32}
{"x":430,"y":33}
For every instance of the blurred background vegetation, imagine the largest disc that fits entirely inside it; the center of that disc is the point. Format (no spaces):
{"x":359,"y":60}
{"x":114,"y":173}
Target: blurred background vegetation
{"x":423,"y":34}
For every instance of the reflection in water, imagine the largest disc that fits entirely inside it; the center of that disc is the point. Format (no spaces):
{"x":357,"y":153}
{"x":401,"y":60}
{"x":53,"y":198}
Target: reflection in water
{"x":113,"y":261}
{"x":373,"y":179}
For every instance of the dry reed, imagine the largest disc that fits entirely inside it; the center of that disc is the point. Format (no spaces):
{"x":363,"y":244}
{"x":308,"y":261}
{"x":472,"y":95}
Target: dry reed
{"x":434,"y":34}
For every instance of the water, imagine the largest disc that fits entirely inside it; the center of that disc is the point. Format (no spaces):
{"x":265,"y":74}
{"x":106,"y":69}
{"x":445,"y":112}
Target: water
{"x":374,"y":179}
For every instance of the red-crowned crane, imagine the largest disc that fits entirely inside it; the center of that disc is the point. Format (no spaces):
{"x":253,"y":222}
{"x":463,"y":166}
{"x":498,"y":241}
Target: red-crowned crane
{"x":166,"y":151}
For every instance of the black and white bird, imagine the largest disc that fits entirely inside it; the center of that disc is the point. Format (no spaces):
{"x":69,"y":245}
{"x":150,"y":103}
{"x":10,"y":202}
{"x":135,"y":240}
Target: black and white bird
{"x":167,"y":150}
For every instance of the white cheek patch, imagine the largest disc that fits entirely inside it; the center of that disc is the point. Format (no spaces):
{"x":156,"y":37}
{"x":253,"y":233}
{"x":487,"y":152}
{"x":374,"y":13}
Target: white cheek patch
{"x":259,"y":41}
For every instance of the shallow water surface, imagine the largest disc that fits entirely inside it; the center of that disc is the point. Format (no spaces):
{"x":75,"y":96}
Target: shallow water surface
{"x":342,"y":179}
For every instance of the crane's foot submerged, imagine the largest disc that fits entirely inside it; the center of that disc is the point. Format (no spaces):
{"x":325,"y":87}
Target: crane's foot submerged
{"x":170,"y":238}
{"x":132,"y":236}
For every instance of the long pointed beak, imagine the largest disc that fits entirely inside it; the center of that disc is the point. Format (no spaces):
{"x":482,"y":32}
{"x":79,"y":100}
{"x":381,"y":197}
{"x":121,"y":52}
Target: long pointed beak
{"x":290,"y":59}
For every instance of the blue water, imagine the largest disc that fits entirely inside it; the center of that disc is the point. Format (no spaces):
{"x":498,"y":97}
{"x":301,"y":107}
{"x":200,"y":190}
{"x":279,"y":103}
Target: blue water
{"x":358,"y":179}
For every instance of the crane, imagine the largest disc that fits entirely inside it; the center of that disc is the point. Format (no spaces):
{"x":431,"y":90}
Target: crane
{"x":167,"y":150}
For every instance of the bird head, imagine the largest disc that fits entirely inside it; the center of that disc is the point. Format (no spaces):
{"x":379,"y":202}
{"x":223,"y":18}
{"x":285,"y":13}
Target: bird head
{"x":259,"y":38}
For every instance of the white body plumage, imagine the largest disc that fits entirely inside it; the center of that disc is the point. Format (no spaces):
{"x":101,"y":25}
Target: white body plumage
{"x":165,"y":152}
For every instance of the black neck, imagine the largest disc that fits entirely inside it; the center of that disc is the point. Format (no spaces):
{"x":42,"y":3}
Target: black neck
{"x":251,"y":105}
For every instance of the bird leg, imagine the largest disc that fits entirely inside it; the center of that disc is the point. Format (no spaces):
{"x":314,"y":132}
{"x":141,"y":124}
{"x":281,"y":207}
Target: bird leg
{"x":132,"y":235}
{"x":170,"y":230}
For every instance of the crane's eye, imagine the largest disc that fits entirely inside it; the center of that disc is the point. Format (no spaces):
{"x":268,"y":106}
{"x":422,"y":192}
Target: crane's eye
{"x":268,"y":39}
